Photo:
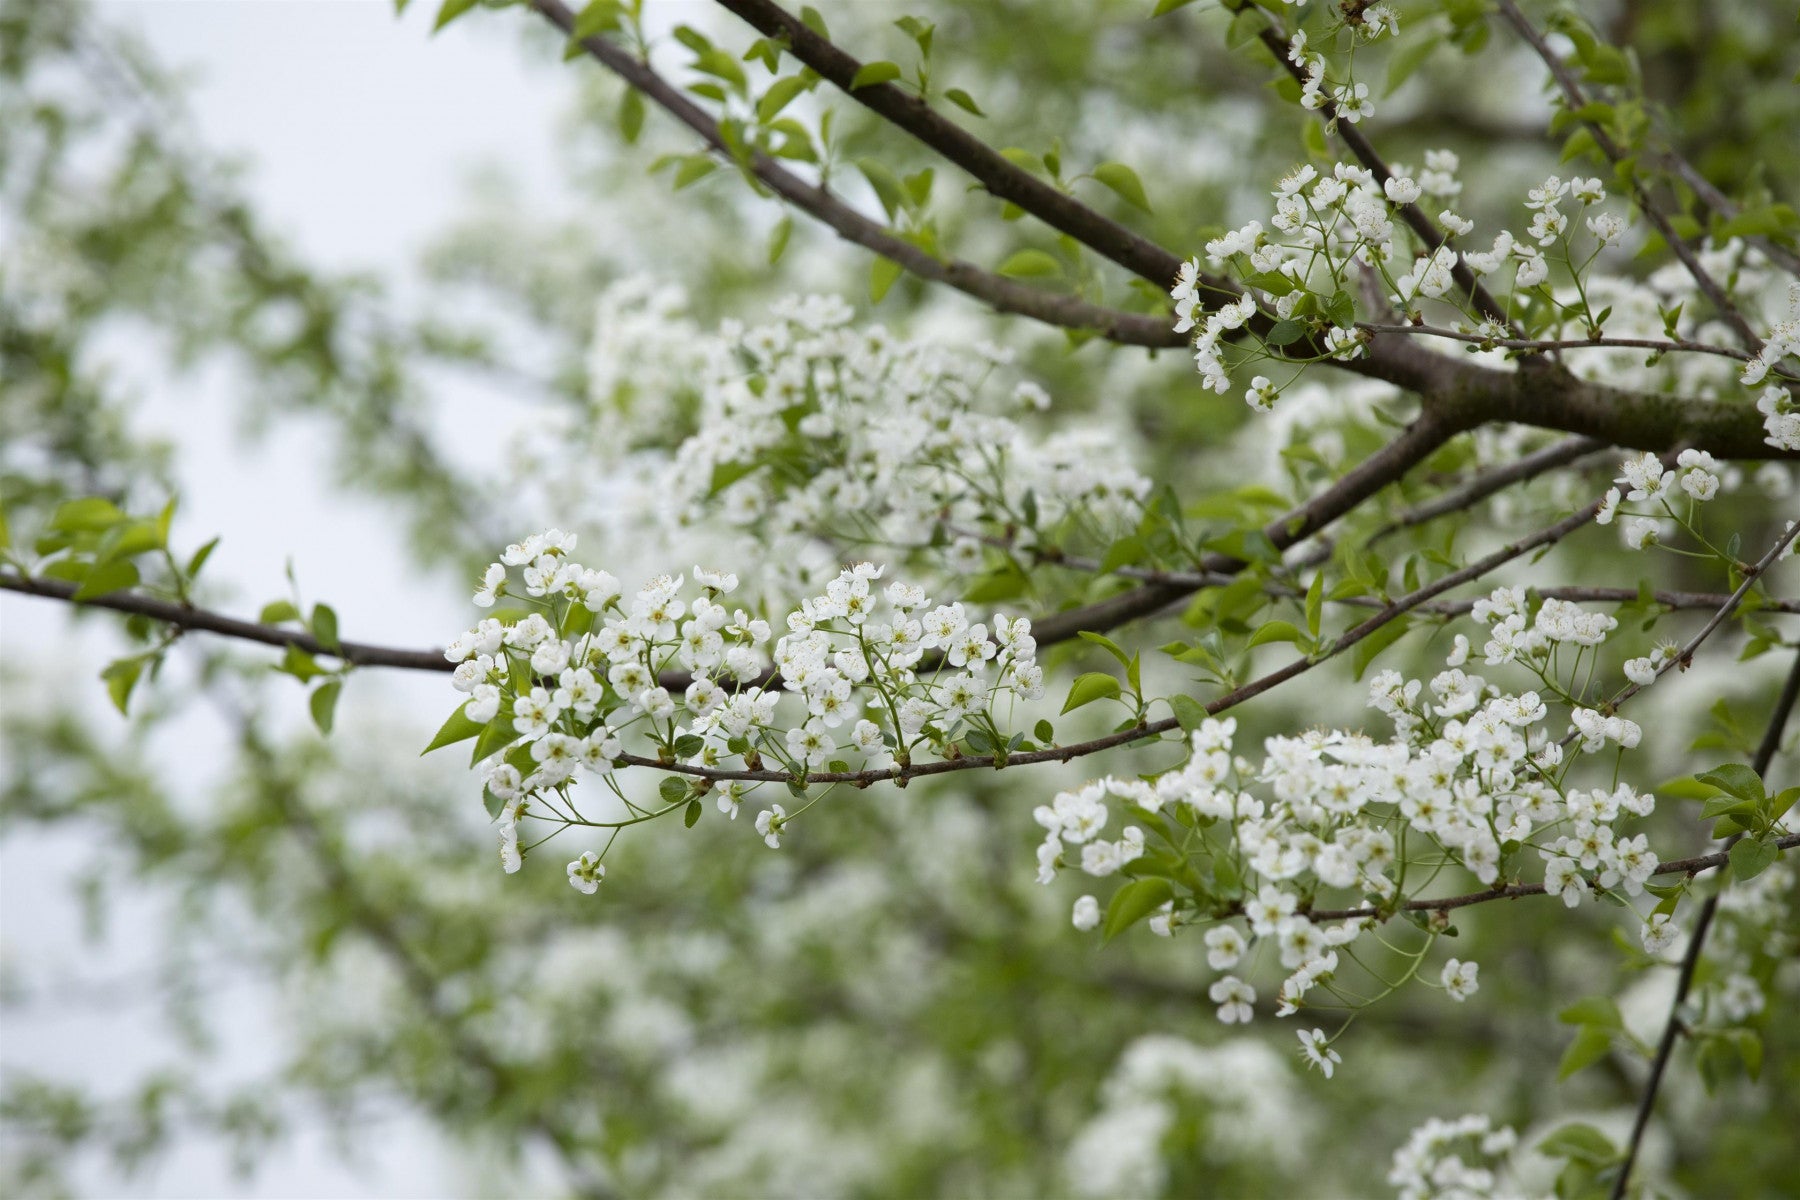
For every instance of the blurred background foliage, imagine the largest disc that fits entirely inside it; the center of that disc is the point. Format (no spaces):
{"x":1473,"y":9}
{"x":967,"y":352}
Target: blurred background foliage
{"x":891,"y":1005}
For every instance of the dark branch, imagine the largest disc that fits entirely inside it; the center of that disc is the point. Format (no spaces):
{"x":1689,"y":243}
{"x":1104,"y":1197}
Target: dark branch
{"x":996,"y":291}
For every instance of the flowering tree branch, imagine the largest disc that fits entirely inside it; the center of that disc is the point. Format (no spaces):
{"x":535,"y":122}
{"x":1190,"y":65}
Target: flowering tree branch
{"x":997,"y":291}
{"x":1513,"y":891}
{"x":1576,"y":101}
{"x":1276,"y":40}
{"x":1468,"y":393}
{"x":999,"y":176}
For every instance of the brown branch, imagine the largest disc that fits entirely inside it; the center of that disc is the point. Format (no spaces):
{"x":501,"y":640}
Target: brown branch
{"x":996,"y":291}
{"x":1470,"y":394}
{"x":1679,"y":866}
{"x":1489,"y":482}
{"x":1661,"y":345}
{"x":1151,"y":729}
{"x":999,"y":176}
{"x":185,"y":616}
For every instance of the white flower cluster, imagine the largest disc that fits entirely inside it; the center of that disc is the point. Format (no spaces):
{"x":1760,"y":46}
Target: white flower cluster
{"x":817,"y":443}
{"x":1474,"y":773}
{"x":1783,"y":340}
{"x":1647,"y":482}
{"x":1452,"y":1159}
{"x":1781,"y":417}
{"x":810,"y":428}
{"x":1245,"y":1089}
{"x":876,"y":674}
{"x":1325,"y":227}
{"x":1350,"y":99}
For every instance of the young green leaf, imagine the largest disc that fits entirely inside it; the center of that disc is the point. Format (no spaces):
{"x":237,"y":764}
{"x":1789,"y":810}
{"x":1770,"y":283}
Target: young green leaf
{"x":458,"y":728}
{"x":1030,"y":263}
{"x":1737,"y":779}
{"x":121,"y":676}
{"x":1087,"y":688}
{"x":1750,"y":858}
{"x":1589,"y":1047}
{"x":323,"y":703}
{"x":450,"y":10}
{"x":882,"y":274}
{"x":324,"y":625}
{"x":1123,"y":180}
{"x":875,"y":73}
{"x":1133,"y":902}
{"x":631,"y":115}
{"x":964,"y":101}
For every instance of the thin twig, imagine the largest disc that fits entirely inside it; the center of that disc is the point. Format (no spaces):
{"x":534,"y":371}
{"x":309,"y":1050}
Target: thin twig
{"x":1690,"y":961}
{"x":1663,"y":345}
{"x":1576,"y":100}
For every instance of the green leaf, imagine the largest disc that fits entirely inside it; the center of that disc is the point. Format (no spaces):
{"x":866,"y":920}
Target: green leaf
{"x":5,"y":533}
{"x":1315,"y":603}
{"x":1777,"y":805}
{"x":92,"y":514}
{"x":1123,"y":180}
{"x":1580,"y":1143}
{"x":1127,"y":551}
{"x":1750,"y":858}
{"x":1044,"y":732}
{"x":1719,"y":806}
{"x":599,"y":16}
{"x":1188,"y":711}
{"x":1285,"y":333}
{"x":457,"y":729}
{"x":1133,"y":902}
{"x":778,"y":240}
{"x":887,"y":185}
{"x":875,"y":73}
{"x":450,"y":10}
{"x":1169,"y":6}
{"x":164,"y":520}
{"x":809,"y":17}
{"x":964,"y":101}
{"x":781,"y":93}
{"x":1245,"y":27}
{"x":199,"y":560}
{"x":692,"y":814}
{"x":1589,"y":1047}
{"x":323,"y":703}
{"x":277,"y":611}
{"x":498,"y":735}
{"x":1595,"y":1010}
{"x":693,"y":169}
{"x":882,"y":274}
{"x":121,"y":676}
{"x":631,"y":115}
{"x":299,"y":664}
{"x":1376,"y":642}
{"x":113,"y":576}
{"x":672,"y":789}
{"x":324,"y":625}
{"x":1276,"y":631}
{"x":1028,"y":263}
{"x":1737,"y":779}
{"x":1089,"y":687}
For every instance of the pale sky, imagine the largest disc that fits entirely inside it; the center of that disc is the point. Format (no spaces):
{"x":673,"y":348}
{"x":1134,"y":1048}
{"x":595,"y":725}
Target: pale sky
{"x":358,"y":130}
